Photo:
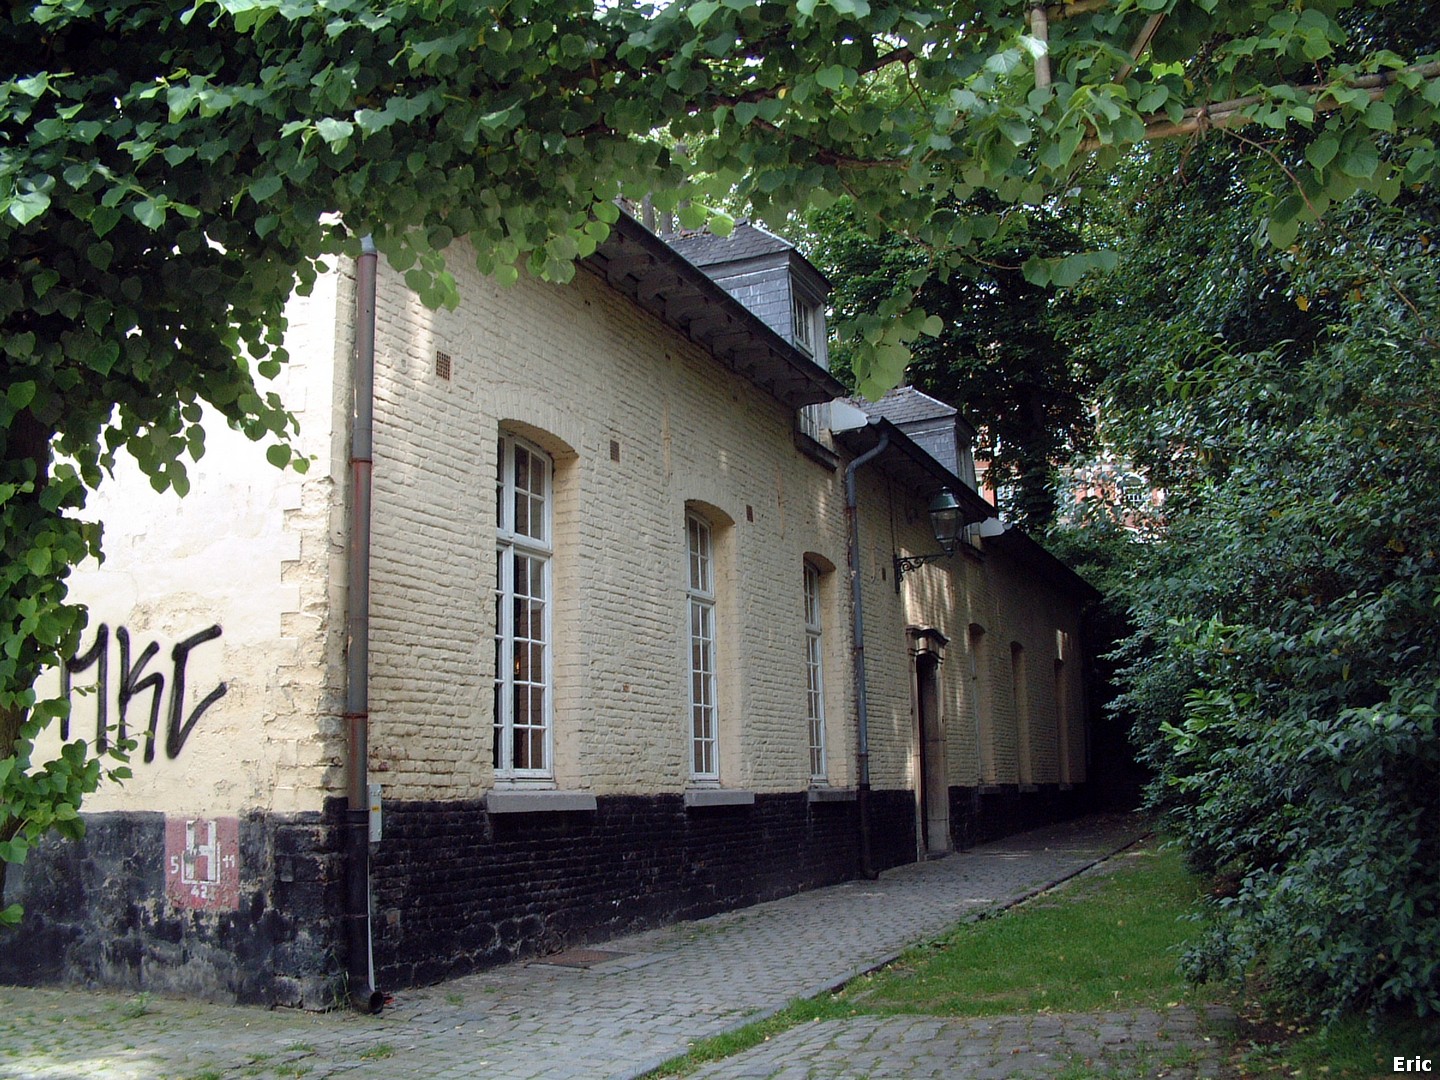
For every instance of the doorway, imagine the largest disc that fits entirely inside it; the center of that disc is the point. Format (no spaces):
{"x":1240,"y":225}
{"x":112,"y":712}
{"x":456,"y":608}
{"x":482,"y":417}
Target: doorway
{"x":932,"y":791}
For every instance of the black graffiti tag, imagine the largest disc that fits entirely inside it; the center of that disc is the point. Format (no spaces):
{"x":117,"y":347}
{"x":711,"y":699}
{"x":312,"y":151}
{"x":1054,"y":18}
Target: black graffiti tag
{"x":134,"y":682}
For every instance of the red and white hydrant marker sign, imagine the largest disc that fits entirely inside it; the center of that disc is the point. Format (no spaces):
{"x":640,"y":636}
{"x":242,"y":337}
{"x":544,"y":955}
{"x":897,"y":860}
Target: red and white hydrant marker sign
{"x":202,"y":863}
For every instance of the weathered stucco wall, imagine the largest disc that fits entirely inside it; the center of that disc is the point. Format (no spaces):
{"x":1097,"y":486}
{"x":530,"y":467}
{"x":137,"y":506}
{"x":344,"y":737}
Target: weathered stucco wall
{"x":217,"y":611}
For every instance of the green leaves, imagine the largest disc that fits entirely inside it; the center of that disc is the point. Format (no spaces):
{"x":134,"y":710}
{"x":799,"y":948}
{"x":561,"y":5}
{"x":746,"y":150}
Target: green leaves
{"x":1069,"y":270}
{"x":28,"y":198}
{"x":1281,"y":669}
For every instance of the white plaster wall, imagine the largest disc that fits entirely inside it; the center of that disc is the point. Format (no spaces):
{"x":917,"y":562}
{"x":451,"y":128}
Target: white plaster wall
{"x":250,"y":550}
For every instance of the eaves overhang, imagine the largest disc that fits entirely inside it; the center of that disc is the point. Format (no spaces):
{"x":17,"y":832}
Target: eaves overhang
{"x":1030,"y":553}
{"x":641,"y":266}
{"x":906,"y":463}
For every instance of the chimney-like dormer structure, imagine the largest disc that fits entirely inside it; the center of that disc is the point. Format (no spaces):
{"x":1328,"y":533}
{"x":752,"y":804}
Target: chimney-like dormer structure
{"x":770,"y":277}
{"x":936,"y":428}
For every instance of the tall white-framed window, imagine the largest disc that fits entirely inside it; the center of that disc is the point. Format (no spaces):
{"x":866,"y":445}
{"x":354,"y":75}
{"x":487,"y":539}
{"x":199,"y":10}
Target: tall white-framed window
{"x":814,"y":674}
{"x":523,"y":549}
{"x":704,"y":747}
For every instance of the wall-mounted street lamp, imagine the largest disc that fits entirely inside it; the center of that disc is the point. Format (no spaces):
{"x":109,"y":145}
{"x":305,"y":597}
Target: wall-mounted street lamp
{"x":948,"y":522}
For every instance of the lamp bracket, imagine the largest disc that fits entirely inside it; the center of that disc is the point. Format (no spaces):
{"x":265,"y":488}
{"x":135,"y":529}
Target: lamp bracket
{"x":904,"y":564}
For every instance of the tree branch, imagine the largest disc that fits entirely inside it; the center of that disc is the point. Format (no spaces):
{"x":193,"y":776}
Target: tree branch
{"x":1227,"y":114}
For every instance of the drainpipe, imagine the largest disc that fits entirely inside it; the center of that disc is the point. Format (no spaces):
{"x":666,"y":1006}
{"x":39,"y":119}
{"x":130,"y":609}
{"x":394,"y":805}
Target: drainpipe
{"x":360,"y":960}
{"x":862,"y":716}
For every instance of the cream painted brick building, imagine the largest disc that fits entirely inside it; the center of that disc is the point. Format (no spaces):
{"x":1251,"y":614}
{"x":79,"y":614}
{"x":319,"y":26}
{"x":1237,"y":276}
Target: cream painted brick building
{"x":611,"y":643}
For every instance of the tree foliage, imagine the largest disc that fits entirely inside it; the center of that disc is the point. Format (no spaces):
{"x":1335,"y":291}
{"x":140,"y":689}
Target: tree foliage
{"x":999,"y":352}
{"x":171,"y":170}
{"x":1282,"y":670}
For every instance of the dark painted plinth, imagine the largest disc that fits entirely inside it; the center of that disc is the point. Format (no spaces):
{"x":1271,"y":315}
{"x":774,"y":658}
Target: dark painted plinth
{"x":457,"y":888}
{"x":96,"y":914}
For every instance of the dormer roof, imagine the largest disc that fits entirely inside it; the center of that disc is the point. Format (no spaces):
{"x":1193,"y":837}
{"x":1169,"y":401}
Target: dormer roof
{"x":905,"y":404}
{"x":663,"y":281}
{"x":747,"y":243}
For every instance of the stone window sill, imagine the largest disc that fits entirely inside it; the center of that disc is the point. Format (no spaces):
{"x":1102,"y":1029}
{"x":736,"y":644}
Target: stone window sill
{"x":696,"y":798}
{"x":832,"y":794}
{"x":538,"y":802}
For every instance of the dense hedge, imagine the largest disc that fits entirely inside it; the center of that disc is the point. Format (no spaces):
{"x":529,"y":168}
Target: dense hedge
{"x":1283,"y":669}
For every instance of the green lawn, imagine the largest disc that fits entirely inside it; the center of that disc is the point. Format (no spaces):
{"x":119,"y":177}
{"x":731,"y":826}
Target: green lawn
{"x":1108,"y":939}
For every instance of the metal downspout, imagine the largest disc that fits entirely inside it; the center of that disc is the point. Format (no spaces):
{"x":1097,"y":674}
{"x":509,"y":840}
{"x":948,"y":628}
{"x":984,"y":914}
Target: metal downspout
{"x":862,"y":715}
{"x":360,"y":963}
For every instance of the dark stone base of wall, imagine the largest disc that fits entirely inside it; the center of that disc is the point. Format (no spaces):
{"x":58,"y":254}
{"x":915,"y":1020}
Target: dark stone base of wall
{"x":457,"y":888}
{"x":991,"y":812}
{"x":96,"y":914}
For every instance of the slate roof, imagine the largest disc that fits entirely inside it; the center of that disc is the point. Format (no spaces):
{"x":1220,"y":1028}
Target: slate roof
{"x":905,"y":405}
{"x":747,"y":241}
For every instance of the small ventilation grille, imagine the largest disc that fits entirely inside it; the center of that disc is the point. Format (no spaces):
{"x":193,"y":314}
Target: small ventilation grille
{"x":442,"y":365}
{"x":614,"y":450}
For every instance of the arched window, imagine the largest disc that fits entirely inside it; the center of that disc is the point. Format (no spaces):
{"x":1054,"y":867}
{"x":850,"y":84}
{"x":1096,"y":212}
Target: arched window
{"x":523,"y":548}
{"x":704,"y":711}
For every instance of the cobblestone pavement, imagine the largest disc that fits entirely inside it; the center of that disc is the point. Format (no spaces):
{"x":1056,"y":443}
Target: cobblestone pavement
{"x":618,"y":1017}
{"x":1180,"y":1044}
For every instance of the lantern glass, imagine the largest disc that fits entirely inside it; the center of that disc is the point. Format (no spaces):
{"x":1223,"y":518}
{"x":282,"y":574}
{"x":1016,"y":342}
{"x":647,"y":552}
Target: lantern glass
{"x":946,"y":519}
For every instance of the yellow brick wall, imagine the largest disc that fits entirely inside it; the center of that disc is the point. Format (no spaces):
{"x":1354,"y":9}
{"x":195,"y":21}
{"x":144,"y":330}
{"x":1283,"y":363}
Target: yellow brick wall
{"x":572,"y":368}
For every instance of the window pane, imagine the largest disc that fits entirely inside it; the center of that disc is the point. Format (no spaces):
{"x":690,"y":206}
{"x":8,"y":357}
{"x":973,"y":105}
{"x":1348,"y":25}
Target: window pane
{"x":522,"y":469}
{"x":522,"y":515}
{"x":500,"y":521}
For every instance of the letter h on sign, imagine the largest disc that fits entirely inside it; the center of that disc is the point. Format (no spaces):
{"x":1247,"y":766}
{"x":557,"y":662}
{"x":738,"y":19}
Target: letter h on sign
{"x":202,"y":863}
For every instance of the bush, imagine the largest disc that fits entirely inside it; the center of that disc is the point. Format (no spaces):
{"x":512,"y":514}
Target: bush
{"x":1284,"y":672}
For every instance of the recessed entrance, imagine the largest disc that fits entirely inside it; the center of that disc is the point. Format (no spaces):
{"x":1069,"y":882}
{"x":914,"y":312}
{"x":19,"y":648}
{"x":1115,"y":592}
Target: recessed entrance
{"x":932,"y":794}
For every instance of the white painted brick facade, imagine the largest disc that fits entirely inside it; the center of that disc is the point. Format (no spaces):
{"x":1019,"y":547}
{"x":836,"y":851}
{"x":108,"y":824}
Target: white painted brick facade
{"x":571,"y":368}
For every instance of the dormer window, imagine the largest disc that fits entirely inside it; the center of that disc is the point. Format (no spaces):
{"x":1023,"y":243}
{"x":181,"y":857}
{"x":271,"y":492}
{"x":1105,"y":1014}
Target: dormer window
{"x":803,"y":315}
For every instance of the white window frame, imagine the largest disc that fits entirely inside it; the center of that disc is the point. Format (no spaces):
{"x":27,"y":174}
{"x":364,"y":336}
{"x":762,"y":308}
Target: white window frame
{"x":807,"y":334}
{"x":700,"y":606}
{"x":531,"y":541}
{"x":814,"y":674}
{"x":803,"y":312}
